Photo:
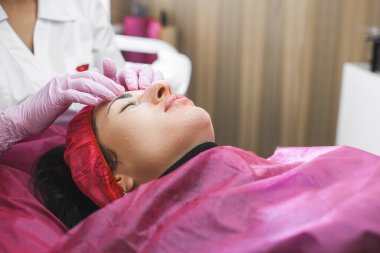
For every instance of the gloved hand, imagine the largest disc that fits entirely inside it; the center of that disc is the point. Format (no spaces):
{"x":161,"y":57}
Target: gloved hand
{"x":137,"y":77}
{"x":38,"y":111}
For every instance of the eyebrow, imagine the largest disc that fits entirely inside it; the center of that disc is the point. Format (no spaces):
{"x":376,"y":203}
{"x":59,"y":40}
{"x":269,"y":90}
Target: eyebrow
{"x":125,"y":95}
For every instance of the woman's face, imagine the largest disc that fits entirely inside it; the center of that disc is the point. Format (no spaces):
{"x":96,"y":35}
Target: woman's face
{"x":150,"y":130}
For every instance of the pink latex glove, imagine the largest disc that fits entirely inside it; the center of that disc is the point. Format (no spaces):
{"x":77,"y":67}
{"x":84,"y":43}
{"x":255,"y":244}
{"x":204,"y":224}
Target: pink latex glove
{"x":138,"y":77}
{"x":39,"y":111}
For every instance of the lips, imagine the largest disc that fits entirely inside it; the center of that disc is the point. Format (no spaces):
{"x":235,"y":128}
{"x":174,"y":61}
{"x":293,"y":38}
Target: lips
{"x":173,"y":99}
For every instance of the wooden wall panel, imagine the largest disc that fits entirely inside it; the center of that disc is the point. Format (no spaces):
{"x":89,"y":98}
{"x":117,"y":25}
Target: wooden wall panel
{"x":269,"y":71}
{"x":118,"y":10}
{"x":253,"y":24}
{"x":269,"y":117}
{"x":206,"y":57}
{"x":324,"y":73}
{"x":228,"y":78}
{"x":297,"y":22}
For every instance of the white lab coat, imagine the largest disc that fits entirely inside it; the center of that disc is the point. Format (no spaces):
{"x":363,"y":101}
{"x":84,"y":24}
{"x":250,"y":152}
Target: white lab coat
{"x":68,"y":34}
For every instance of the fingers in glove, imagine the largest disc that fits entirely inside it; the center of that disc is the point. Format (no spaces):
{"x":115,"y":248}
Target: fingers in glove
{"x":145,"y":77}
{"x":114,"y":87}
{"x":128,"y":77}
{"x":110,"y":69}
{"x":75,"y":96}
{"x":91,"y":87}
{"x":157,"y":76}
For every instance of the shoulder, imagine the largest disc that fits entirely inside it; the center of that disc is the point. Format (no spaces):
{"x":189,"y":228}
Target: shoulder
{"x":69,"y":10}
{"x":88,"y":6}
{"x":89,"y":13}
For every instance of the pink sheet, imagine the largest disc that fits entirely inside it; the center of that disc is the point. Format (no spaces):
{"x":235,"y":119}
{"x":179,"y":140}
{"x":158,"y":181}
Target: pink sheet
{"x":25,"y":225}
{"x":229,"y":200}
{"x":23,"y":155}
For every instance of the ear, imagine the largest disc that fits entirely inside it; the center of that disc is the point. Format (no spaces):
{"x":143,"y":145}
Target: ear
{"x":126,"y":182}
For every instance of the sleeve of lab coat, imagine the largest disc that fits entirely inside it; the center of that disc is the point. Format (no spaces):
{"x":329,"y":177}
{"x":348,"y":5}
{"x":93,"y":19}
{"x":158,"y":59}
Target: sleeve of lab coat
{"x":104,"y":38}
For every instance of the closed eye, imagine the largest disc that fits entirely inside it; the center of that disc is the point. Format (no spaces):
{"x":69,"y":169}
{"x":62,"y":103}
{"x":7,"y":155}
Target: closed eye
{"x":128,"y":104}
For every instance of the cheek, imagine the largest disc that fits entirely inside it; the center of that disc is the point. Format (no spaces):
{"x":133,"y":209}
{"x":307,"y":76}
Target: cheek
{"x":191,"y":123}
{"x":142,"y":126}
{"x":140,"y":146}
{"x":139,"y":133}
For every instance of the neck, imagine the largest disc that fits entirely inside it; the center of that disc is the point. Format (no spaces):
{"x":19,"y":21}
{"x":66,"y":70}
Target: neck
{"x":189,"y":155}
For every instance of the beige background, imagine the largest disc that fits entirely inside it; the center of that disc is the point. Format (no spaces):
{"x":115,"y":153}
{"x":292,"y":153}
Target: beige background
{"x":269,"y":71}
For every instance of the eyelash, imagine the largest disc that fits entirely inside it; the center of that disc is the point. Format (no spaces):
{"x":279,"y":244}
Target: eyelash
{"x":128,"y":104}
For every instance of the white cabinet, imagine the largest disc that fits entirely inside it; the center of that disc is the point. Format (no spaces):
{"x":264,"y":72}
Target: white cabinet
{"x":359,"y":109}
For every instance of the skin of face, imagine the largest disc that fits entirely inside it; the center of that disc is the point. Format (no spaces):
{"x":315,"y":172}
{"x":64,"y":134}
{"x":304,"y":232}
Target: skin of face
{"x":150,"y":130}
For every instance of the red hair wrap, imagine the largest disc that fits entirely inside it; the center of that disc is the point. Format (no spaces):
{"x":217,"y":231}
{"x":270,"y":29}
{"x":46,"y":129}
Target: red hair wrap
{"x":88,"y":166}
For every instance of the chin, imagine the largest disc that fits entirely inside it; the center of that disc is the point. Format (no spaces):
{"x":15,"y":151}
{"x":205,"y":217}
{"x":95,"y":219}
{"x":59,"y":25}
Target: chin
{"x":201,"y":126}
{"x":193,"y":124}
{"x":206,"y":124}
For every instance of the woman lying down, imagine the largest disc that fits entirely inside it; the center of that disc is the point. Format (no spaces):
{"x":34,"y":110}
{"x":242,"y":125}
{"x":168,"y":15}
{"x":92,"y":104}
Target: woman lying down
{"x":152,"y":154}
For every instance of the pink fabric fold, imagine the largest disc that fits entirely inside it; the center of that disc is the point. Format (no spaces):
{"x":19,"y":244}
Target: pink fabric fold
{"x":228,"y":200}
{"x":23,"y":155}
{"x":26,"y":225}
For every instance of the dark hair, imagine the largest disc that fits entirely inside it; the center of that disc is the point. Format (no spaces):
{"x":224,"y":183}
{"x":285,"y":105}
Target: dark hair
{"x":55,"y":188}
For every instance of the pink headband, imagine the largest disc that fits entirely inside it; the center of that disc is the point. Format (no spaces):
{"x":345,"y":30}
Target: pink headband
{"x":88,"y":166}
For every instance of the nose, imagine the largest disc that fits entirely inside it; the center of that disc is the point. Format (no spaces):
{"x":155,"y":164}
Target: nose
{"x":157,"y":92}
